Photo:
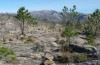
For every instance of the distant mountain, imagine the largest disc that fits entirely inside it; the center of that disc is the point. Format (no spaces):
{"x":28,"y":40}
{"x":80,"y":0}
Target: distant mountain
{"x":83,"y":17}
{"x":47,"y":15}
{"x":54,"y":16}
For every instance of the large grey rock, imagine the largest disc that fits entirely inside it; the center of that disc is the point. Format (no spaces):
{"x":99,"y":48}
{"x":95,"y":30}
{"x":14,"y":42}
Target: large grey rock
{"x":83,"y":48}
{"x":91,"y":48}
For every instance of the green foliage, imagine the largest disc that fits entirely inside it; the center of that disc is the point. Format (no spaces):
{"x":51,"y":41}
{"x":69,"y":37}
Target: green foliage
{"x":65,"y":10}
{"x":13,"y":57}
{"x":88,"y":30}
{"x":24,"y":16}
{"x":68,"y":31}
{"x":78,"y":25}
{"x":10,"y":58}
{"x":80,"y":58}
{"x":90,"y":36}
{"x":91,"y":42}
{"x":70,"y":14}
{"x":32,"y":20}
{"x":94,"y":21}
{"x":92,"y":26}
{"x":5,"y":53}
{"x":0,"y":57}
{"x":90,"y":39}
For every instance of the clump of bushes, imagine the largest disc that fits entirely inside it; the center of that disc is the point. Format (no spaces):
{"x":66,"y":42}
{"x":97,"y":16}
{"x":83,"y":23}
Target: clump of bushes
{"x":7,"y":54}
{"x":80,"y":58}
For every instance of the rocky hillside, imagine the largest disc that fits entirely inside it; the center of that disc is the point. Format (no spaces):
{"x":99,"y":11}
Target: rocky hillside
{"x":40,"y":43}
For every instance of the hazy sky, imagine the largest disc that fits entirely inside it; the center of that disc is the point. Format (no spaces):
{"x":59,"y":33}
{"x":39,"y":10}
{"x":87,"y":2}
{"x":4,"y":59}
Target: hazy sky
{"x":84,"y":6}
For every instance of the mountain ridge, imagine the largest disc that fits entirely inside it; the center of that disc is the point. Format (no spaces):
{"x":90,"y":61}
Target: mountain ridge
{"x":50,"y":15}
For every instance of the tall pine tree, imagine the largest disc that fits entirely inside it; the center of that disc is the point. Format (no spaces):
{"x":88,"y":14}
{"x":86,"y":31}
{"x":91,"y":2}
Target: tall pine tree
{"x":24,"y":16}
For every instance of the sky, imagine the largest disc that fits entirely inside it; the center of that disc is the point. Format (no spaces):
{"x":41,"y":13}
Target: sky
{"x":83,"y":6}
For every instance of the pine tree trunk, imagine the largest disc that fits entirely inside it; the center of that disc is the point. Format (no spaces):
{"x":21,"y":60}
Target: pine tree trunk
{"x":68,"y":41}
{"x":22,"y":30}
{"x":96,"y":31}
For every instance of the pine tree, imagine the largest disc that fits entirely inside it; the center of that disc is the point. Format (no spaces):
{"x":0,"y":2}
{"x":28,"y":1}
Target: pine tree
{"x":24,"y":16}
{"x":92,"y":26}
{"x":69,"y":18}
{"x":94,"y":21}
{"x":71,"y":15}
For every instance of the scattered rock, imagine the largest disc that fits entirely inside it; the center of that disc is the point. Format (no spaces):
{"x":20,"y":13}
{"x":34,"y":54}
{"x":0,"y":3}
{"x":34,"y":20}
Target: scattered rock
{"x":20,"y":36}
{"x":54,"y":44}
{"x":24,"y":54}
{"x":48,"y":56}
{"x":35,"y":55}
{"x":49,"y":62}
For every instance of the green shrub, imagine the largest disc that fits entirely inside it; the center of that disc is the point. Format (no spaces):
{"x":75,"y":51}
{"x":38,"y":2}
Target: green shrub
{"x":90,"y":39}
{"x":10,"y":58}
{"x":13,"y":57}
{"x":7,"y":54}
{"x":91,"y":42}
{"x":80,"y":58}
{"x":5,"y":51}
{"x":0,"y":57}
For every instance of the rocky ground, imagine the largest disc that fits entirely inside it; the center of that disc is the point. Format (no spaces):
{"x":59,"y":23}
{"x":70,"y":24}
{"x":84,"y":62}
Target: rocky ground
{"x":43,"y":37}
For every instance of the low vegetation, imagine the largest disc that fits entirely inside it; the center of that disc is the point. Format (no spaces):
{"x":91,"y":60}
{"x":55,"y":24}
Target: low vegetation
{"x":80,"y":58}
{"x":72,"y":27}
{"x":27,"y":39}
{"x":7,"y":54}
{"x":24,"y":16}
